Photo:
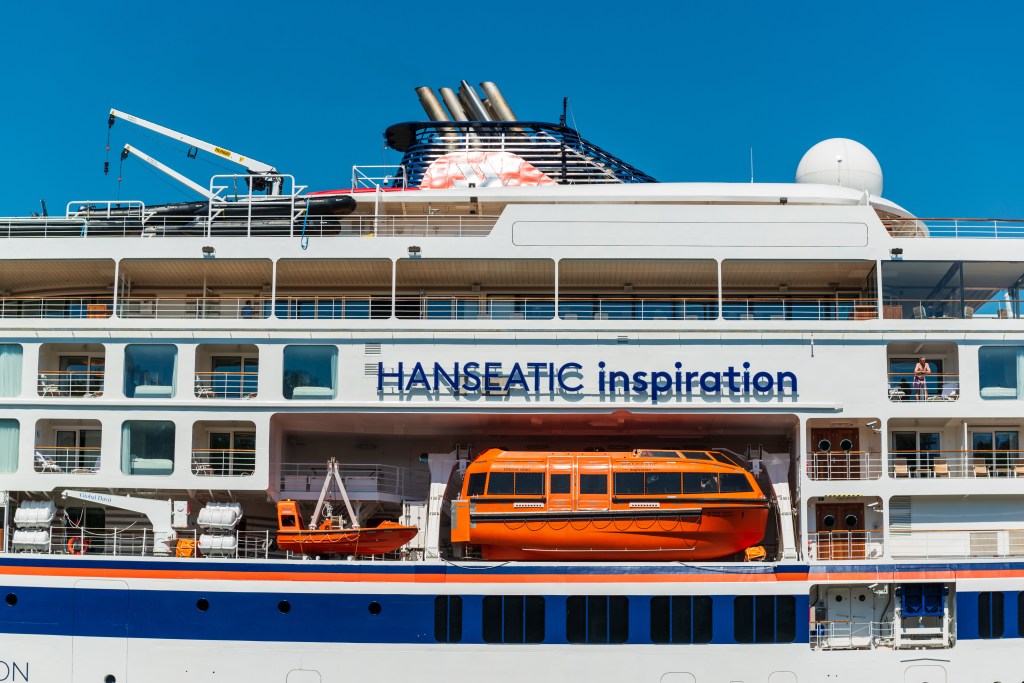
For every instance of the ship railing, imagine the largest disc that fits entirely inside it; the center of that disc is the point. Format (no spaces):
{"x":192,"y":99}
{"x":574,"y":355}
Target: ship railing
{"x":85,"y":383}
{"x":963,"y":228}
{"x":799,"y":308}
{"x":851,"y":635}
{"x":329,"y":307}
{"x":55,"y":307}
{"x":844,"y":465}
{"x":193,"y":307}
{"x":956,"y":464}
{"x":359,"y":479}
{"x":67,"y":459}
{"x":637,"y":308}
{"x":845,"y":545}
{"x":936,"y":386}
{"x":1000,"y":306}
{"x":120,"y":541}
{"x":956,"y":543}
{"x":428,"y":225}
{"x":376,"y":177}
{"x":225,"y":384}
{"x":223,"y":462}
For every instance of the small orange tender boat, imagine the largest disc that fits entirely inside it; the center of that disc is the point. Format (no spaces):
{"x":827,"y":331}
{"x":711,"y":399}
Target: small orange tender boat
{"x":638,"y":505}
{"x":327,"y":540}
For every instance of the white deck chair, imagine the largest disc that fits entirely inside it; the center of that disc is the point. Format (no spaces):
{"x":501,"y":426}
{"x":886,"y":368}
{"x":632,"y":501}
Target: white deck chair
{"x":45,"y":464}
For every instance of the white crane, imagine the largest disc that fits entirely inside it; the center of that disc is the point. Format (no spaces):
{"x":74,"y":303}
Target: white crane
{"x":265,"y":174}
{"x":159,"y":513}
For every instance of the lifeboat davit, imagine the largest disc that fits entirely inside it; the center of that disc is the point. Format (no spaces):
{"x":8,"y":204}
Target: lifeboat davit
{"x":638,"y":505}
{"x":328,"y":540}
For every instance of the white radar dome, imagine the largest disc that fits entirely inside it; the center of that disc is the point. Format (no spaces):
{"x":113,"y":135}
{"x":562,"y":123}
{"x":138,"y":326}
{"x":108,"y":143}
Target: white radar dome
{"x":842,"y":162}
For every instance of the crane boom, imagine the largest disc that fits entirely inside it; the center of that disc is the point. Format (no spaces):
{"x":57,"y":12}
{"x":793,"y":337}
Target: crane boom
{"x":157,"y":511}
{"x":128,"y":149}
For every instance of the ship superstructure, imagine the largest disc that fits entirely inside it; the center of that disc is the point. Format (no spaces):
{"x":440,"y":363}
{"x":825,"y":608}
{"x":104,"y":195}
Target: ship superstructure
{"x":169,"y":374}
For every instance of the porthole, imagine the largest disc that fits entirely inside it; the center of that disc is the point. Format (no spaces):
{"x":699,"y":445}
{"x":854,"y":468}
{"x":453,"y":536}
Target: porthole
{"x":202,"y":604}
{"x":851,"y":520}
{"x":862,"y":597}
{"x":109,"y":678}
{"x":374,"y":608}
{"x":284,"y":607}
{"x":829,"y":521}
{"x":12,"y":599}
{"x":839,"y":598}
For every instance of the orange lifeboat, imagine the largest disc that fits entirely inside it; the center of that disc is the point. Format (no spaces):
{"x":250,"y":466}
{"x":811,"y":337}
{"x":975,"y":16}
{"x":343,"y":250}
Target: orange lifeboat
{"x":327,"y":540}
{"x":638,"y":505}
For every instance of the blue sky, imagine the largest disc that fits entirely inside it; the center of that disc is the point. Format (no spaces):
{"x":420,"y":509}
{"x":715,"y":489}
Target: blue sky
{"x":681,"y":90}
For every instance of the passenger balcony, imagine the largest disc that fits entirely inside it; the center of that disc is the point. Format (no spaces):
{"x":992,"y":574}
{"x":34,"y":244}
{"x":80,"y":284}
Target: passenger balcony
{"x":73,"y":383}
{"x":973,"y":464}
{"x":193,"y":308}
{"x":55,"y":307}
{"x":844,"y":465}
{"x":845,"y":545}
{"x":799,"y":308}
{"x":638,"y":308}
{"x":67,"y":460}
{"x":385,"y":483}
{"x":936,"y":386}
{"x":956,"y":543}
{"x":231,"y":462}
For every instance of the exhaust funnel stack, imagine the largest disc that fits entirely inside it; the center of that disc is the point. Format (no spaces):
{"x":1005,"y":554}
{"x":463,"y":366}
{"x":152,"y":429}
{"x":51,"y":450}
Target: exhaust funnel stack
{"x":431,"y":105}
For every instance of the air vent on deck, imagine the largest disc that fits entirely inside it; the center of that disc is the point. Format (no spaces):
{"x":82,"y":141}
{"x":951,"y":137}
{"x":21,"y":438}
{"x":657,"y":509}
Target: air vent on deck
{"x":371,"y":350}
{"x":370,"y":369}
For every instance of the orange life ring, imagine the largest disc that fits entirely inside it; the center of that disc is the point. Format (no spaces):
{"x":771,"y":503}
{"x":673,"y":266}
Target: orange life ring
{"x":78,"y":546}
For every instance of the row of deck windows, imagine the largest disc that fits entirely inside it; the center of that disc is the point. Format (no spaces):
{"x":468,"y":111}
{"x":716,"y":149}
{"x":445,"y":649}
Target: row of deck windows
{"x":624,"y":483}
{"x":599,"y":619}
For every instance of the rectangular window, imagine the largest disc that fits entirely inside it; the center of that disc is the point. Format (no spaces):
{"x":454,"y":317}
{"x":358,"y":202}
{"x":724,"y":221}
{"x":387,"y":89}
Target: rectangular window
{"x":627,"y":483}
{"x":990,"y":614}
{"x":147,"y":447}
{"x":1020,"y":614}
{"x":597,"y":619}
{"x":513,"y":619}
{"x":9,"y":433}
{"x":561,"y":483}
{"x":149,"y":370}
{"x":999,"y":371}
{"x":681,"y":619}
{"x":448,"y":619}
{"x":735,"y":483}
{"x":529,"y":483}
{"x":662,"y":483}
{"x":310,"y":372}
{"x":700,"y":482}
{"x":501,"y":484}
{"x":476,"y":484}
{"x":593,"y":484}
{"x":764,"y":618}
{"x":10,"y":370}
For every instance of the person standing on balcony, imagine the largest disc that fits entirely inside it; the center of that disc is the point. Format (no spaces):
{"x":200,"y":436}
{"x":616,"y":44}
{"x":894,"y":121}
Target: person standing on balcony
{"x":921,"y":371}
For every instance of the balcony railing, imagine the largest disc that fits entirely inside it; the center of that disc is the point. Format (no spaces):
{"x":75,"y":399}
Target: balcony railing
{"x":638,"y":308}
{"x":114,"y":541}
{"x":223,"y":462}
{"x":844,"y":545}
{"x":67,"y":459}
{"x":956,"y":464}
{"x":56,"y":307}
{"x":85,"y":383}
{"x":936,"y":386}
{"x":365,"y":482}
{"x":192,"y":308}
{"x":966,"y":543}
{"x":951,"y":309}
{"x":227,"y":384}
{"x":964,"y":228}
{"x":794,"y":308}
{"x":850,"y":635}
{"x":842,"y":465}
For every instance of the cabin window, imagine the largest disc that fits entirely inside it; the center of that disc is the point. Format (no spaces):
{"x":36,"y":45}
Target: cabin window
{"x":448,"y":619}
{"x":516,"y":483}
{"x":998,"y":371}
{"x":513,"y":619}
{"x":561,"y":483}
{"x":990,"y":614}
{"x":9,"y":435}
{"x":764,"y":619}
{"x":10,"y":370}
{"x":700,"y":482}
{"x":310,"y":372}
{"x":681,"y":619}
{"x":150,"y":370}
{"x":593,"y":484}
{"x":476,"y":484}
{"x":629,"y":483}
{"x":661,"y":483}
{"x":147,"y":447}
{"x":735,"y":483}
{"x":597,"y":619}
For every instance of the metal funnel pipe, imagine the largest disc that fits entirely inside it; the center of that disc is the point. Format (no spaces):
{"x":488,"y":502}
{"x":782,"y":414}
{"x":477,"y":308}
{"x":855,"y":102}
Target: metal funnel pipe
{"x":497,"y":101}
{"x":451,"y":101}
{"x":431,"y":105}
{"x":473,"y":103}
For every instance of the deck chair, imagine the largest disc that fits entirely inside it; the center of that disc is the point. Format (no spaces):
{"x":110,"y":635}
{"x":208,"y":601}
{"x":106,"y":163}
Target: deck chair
{"x":45,"y":464}
{"x":968,"y":311}
{"x":900,"y":468}
{"x":941,"y":468}
{"x":919,"y":312}
{"x":48,"y":386}
{"x":203,"y":391}
{"x":981,"y":470}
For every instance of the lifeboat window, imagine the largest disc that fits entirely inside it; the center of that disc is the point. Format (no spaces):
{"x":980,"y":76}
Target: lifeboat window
{"x":513,"y":619}
{"x":561,"y":483}
{"x":735,"y":483}
{"x":662,"y":483}
{"x":530,"y":483}
{"x":764,"y":618}
{"x":448,"y":619}
{"x":629,"y":483}
{"x":700,"y":482}
{"x":697,"y":455}
{"x":476,"y":484}
{"x":593,"y":484}
{"x":501,"y":483}
{"x":681,"y":619}
{"x":660,"y":454}
{"x":597,"y":619}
